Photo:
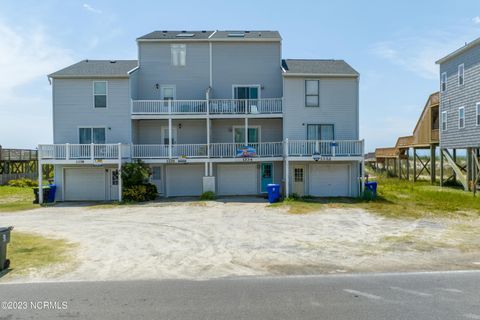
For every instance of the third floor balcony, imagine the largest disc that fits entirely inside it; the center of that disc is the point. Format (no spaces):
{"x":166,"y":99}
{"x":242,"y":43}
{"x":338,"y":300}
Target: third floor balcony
{"x":270,"y":107}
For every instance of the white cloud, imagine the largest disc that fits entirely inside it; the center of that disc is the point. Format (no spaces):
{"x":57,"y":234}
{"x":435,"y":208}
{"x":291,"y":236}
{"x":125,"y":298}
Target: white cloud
{"x":476,"y":20}
{"x":26,"y":57}
{"x":88,"y":7}
{"x":418,"y":53}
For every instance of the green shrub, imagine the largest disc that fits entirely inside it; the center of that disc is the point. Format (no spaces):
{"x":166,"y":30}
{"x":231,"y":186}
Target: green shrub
{"x":140,"y":193}
{"x":135,"y":177}
{"x":23,"y":183}
{"x":208,"y":195}
{"x":135,"y":174}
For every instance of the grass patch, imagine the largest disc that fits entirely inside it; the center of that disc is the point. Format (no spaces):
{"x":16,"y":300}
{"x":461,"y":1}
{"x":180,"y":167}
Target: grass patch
{"x":399,"y":199}
{"x":31,"y":252}
{"x":16,"y":199}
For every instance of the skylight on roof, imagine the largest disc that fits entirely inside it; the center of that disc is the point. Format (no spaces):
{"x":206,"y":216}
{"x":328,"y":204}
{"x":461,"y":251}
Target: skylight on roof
{"x":185,"y":35}
{"x":236,"y":35}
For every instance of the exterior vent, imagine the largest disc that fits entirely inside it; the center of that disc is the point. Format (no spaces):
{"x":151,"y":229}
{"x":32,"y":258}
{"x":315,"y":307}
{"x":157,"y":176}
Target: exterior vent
{"x":113,"y":61}
{"x":185,"y":35}
{"x":236,"y":35}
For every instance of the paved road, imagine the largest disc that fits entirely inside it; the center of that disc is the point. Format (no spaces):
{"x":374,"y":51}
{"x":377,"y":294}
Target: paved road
{"x":449,"y":295}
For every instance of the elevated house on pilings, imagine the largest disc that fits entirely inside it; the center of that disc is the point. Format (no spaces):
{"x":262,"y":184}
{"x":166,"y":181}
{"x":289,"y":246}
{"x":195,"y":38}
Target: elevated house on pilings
{"x":17,"y":163}
{"x":460,"y":113}
{"x":396,"y":160}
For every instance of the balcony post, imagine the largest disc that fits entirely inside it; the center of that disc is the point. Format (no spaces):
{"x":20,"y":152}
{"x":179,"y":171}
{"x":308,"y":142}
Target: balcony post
{"x":363,"y":167}
{"x":67,"y":151}
{"x":334,"y":147}
{"x":169,"y":106}
{"x":120,"y":172}
{"x":92,"y":150}
{"x":208,"y":137}
{"x":40,"y":182}
{"x":246,"y":131}
{"x":170,"y":137}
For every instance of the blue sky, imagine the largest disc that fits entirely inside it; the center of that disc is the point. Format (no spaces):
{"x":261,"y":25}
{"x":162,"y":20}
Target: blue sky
{"x":393,"y":45}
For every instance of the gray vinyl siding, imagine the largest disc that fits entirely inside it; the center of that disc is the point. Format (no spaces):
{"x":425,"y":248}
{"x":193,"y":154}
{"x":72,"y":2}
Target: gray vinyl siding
{"x":73,"y":108}
{"x":270,"y":129}
{"x":338,"y":105}
{"x":191,"y":80}
{"x":247,"y":63}
{"x":457,"y":96}
{"x":149,"y":131}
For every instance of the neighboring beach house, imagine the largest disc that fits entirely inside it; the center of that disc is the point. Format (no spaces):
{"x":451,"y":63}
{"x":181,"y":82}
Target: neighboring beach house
{"x":460,"y":111}
{"x":208,"y":111}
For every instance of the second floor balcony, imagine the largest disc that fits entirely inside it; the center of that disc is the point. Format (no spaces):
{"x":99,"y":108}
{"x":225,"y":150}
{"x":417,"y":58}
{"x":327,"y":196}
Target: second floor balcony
{"x":212,"y":107}
{"x":92,"y":153}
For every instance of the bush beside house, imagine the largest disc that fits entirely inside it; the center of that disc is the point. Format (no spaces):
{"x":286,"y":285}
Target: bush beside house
{"x":136,"y":186}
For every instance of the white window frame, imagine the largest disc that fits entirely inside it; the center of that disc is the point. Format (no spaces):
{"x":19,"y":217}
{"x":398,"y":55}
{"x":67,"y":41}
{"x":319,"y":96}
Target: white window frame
{"x":175,"y":49}
{"x":91,"y":129}
{"x":444,"y":120}
{"x":259,"y":88}
{"x":462,"y":76}
{"x":106,"y":94}
{"x":461,"y":118}
{"x":168,"y":86}
{"x":259,"y":128}
{"x":443,"y":80}
{"x":174,"y":137}
{"x":317,"y":95}
{"x":477,"y":106}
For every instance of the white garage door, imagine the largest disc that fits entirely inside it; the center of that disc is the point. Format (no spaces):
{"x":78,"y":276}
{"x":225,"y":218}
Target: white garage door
{"x":237,"y":179}
{"x":84,"y":184}
{"x":329,"y":180}
{"x":184,"y":180}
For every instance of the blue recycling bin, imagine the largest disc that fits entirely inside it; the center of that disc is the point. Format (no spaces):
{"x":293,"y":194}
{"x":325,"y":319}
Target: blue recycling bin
{"x":273,"y":192}
{"x":372,"y":186}
{"x":51,"y":194}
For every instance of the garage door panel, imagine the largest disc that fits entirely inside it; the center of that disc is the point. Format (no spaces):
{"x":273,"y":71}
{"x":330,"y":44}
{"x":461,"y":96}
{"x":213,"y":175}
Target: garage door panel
{"x":237,"y":179}
{"x":184,"y":180}
{"x":329,"y":180}
{"x":84,"y":184}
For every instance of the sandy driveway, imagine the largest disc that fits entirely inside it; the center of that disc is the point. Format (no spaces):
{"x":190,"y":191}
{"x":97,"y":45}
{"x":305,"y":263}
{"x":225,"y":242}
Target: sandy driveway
{"x":215,"y":239}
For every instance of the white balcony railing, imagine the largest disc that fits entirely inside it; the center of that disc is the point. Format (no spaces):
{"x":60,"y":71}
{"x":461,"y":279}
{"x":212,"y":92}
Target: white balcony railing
{"x":214,"y":106}
{"x":83,"y":151}
{"x":233,"y":150}
{"x":246,"y":106}
{"x":169,"y":106}
{"x":338,"y":148}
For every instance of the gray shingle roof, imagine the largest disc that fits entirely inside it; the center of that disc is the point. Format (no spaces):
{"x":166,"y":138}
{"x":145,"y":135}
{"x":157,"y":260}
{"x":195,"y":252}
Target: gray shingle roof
{"x":169,"y":35}
{"x":214,"y":35}
{"x":317,"y":67}
{"x":97,"y":68}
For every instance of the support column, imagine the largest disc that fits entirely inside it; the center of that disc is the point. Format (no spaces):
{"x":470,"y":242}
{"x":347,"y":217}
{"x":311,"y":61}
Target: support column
{"x":210,"y":164}
{"x":206,"y":169}
{"x":362,"y":187}
{"x":407,"y":153}
{"x":170,"y":138}
{"x":454,"y":157}
{"x":246,"y":131}
{"x":441,"y":168}
{"x":287,"y":179}
{"x":120,"y":182}
{"x":395,"y":167}
{"x":433,"y":165}
{"x":40,"y":182}
{"x":414,"y":164}
{"x":469,"y":168}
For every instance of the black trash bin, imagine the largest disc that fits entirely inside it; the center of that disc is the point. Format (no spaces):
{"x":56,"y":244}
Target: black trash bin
{"x":4,"y":240}
{"x":46,"y":192}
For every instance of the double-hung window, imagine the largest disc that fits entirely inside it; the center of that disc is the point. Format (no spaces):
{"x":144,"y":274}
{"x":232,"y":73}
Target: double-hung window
{"x":312,"y":93}
{"x":100,"y":94}
{"x":461,"y":117}
{"x":443,"y":82}
{"x":477,"y":107}
{"x":91,"y":135}
{"x":179,"y":55}
{"x":320,"y":132}
{"x":444,"y":120}
{"x":461,"y":74}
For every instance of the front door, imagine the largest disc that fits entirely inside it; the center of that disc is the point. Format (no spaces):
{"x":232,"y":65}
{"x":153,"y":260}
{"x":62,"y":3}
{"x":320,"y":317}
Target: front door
{"x":299,"y":180}
{"x":156,"y":178}
{"x":165,"y":136}
{"x":267,"y":175}
{"x":113,"y":177}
